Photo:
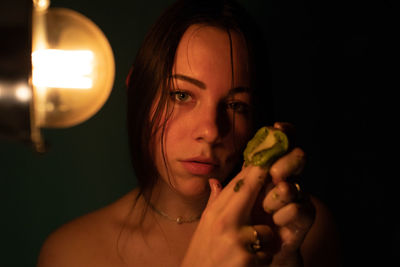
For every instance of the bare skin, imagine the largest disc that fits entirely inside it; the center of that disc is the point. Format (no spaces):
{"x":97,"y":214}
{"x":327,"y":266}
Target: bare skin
{"x":96,"y":239}
{"x":107,"y":238}
{"x":113,"y":236}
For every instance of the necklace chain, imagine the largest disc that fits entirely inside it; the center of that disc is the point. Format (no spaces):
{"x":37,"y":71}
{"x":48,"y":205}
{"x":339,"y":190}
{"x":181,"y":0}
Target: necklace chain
{"x":178,"y":220}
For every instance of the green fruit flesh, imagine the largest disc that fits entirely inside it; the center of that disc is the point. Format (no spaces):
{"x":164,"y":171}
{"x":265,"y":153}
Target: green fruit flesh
{"x":267,"y":145}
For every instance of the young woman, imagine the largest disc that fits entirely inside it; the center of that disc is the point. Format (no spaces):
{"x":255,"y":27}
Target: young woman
{"x":194,"y":95}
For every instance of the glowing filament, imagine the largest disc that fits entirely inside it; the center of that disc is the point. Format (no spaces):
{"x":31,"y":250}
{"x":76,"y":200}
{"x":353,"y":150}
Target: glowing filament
{"x":62,"y":68}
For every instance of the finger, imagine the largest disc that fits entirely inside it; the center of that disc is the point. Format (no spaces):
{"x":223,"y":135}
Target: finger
{"x":219,"y":207}
{"x":236,"y":200}
{"x":257,"y":234}
{"x":289,"y":165}
{"x":285,"y":127}
{"x":296,"y":216}
{"x":216,"y":188}
{"x":263,"y":258}
{"x":265,"y":235}
{"x":259,"y":240}
{"x":282,"y":194}
{"x":242,"y":191}
{"x":289,"y":130}
{"x":294,"y":222}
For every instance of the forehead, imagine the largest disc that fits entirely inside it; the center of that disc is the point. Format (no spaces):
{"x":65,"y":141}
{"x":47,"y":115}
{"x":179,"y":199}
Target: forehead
{"x":213,"y":55}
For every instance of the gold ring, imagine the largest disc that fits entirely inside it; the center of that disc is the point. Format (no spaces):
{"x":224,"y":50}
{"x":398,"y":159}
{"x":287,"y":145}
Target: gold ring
{"x":300,"y":195}
{"x":297,"y":187}
{"x":256,"y":244}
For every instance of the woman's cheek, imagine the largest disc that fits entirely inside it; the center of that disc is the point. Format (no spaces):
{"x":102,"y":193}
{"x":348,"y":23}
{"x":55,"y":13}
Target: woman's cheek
{"x":242,"y":131}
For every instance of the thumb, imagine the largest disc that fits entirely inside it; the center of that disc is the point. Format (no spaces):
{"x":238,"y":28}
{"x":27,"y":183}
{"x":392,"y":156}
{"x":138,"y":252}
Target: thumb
{"x":216,"y":188}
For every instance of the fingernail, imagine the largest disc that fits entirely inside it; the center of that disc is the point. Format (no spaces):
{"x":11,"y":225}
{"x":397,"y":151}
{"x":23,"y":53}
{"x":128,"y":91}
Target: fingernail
{"x":275,"y":195}
{"x":216,"y":185}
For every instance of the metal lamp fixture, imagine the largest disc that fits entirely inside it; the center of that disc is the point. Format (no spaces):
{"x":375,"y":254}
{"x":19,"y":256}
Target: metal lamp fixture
{"x":56,"y":69}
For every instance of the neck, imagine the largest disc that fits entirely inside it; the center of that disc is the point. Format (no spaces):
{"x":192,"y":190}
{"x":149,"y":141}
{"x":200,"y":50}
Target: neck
{"x":173,"y":204}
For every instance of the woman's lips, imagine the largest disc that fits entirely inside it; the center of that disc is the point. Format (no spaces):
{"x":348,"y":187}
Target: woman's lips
{"x":199,"y":167}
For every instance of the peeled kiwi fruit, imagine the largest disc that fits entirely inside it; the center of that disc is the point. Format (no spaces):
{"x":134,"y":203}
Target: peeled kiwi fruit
{"x":267,"y":145}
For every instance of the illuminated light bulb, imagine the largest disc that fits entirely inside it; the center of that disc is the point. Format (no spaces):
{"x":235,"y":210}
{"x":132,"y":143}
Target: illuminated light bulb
{"x":56,"y":69}
{"x":72,"y":68}
{"x":62,"y":69}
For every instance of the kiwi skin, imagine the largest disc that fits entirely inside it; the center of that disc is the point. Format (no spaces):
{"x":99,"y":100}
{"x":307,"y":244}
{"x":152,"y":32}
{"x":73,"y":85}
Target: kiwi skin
{"x":265,"y":157}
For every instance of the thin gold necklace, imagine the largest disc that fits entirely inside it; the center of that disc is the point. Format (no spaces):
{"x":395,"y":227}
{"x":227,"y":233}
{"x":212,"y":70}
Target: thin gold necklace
{"x":178,"y":220}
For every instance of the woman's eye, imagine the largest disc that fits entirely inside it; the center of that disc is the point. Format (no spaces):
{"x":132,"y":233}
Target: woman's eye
{"x":238,"y":107}
{"x":180,"y":96}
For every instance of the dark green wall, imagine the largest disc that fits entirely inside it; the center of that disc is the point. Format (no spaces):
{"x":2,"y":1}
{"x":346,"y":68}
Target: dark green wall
{"x":324,"y":59}
{"x":87,"y":166}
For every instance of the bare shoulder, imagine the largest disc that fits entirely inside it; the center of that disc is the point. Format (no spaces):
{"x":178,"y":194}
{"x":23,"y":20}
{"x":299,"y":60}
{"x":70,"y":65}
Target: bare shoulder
{"x":87,"y":239}
{"x":322,"y":245}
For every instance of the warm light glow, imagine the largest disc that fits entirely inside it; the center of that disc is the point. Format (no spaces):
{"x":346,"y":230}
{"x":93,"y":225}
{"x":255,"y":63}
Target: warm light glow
{"x":19,"y":91}
{"x":23,"y":93}
{"x":41,"y":5}
{"x":72,"y":68}
{"x":62,"y":68}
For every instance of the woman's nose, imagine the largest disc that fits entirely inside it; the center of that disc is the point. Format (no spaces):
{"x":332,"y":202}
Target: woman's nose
{"x":205,"y":126}
{"x":209,"y":125}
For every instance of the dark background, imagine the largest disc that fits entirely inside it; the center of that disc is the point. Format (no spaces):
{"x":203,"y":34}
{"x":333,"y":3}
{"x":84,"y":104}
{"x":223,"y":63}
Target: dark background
{"x":330,"y":64}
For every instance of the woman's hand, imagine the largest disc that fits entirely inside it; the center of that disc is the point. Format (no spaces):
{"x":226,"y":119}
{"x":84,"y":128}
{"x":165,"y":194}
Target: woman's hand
{"x":224,"y":233}
{"x":227,"y":235}
{"x":292,"y":211}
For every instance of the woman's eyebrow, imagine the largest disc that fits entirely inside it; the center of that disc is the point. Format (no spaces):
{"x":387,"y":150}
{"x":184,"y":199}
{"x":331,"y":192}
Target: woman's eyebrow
{"x":202,"y":85}
{"x":240,"y":89}
{"x":194,"y":81}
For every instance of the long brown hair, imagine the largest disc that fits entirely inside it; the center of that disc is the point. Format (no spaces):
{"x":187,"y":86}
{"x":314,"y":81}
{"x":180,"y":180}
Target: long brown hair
{"x":150,"y":75}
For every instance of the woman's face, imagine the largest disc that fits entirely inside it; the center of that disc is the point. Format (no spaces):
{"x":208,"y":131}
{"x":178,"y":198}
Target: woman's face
{"x":211,"y":117}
